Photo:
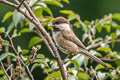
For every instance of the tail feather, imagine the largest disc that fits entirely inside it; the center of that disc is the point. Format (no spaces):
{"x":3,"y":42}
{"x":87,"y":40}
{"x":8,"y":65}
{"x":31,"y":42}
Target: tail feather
{"x":85,"y":52}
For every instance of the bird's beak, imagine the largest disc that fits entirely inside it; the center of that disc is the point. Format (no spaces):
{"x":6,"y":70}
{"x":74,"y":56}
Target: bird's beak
{"x":51,"y":25}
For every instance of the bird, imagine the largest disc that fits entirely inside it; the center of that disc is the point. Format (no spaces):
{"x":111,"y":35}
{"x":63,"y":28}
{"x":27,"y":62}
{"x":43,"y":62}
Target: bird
{"x":67,"y":41}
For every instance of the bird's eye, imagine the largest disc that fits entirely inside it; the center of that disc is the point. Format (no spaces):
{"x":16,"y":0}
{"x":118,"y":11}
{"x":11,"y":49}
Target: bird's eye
{"x":57,"y":22}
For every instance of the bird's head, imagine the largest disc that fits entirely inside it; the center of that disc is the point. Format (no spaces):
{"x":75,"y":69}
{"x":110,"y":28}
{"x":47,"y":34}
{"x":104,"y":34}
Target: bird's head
{"x":60,"y":23}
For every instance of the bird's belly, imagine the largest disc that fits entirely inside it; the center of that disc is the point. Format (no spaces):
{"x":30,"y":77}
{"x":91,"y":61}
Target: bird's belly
{"x":66,"y":46}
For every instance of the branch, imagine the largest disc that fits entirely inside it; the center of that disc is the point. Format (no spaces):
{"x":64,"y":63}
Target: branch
{"x":45,"y":34}
{"x":11,"y":42}
{"x":51,"y":45}
{"x":28,"y":71}
{"x":99,"y":43}
{"x":39,"y":34}
{"x":3,"y":68}
{"x":20,"y":4}
{"x":17,"y":53}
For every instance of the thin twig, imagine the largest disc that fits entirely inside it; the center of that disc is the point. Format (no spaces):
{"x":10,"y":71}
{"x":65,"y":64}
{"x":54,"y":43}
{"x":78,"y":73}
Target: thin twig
{"x":3,"y":68}
{"x":8,"y":58}
{"x":68,"y":63}
{"x":39,"y":34}
{"x":12,"y":45}
{"x":21,"y":4}
{"x":9,"y":67}
{"x":99,"y":43}
{"x":19,"y":56}
{"x":94,"y":72}
{"x":11,"y":71}
{"x":29,"y":71}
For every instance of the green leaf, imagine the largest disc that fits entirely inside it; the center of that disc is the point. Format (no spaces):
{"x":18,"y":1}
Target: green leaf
{"x":53,"y":75}
{"x":53,"y":66}
{"x":107,"y":27}
{"x":113,"y":35}
{"x":105,"y":49}
{"x":84,"y":26}
{"x":117,"y":61}
{"x":101,"y":75}
{"x":75,"y":63}
{"x":84,"y":37}
{"x":98,"y":39}
{"x":7,"y":15}
{"x":10,"y":27}
{"x":28,"y":58}
{"x":66,"y":1}
{"x":25,"y":51}
{"x":116,"y":16}
{"x":82,"y":76}
{"x":35,"y":40}
{"x":68,"y":12}
{"x":35,"y":66}
{"x":31,"y":26}
{"x":19,"y":48}
{"x":17,"y":16}
{"x":71,"y":14}
{"x":4,"y":78}
{"x":77,"y":24}
{"x":48,"y":11}
{"x":99,"y":66}
{"x":38,"y":12}
{"x":2,"y":30}
{"x":99,"y":28}
{"x":41,"y":4}
{"x":24,"y":58}
{"x":52,"y":2}
{"x":116,"y":27}
{"x":4,"y":55}
{"x":24,"y":30}
{"x":41,"y":56}
{"x":15,"y":34}
{"x":5,"y":43}
{"x":32,"y":2}
{"x":41,"y":61}
{"x":2,"y":72}
{"x":74,"y":71}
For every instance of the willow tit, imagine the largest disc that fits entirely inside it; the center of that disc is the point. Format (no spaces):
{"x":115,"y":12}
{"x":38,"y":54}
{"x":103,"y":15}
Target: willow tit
{"x":67,"y":41}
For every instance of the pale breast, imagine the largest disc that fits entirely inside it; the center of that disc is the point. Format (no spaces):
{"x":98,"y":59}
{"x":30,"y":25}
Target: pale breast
{"x":64,"y":45}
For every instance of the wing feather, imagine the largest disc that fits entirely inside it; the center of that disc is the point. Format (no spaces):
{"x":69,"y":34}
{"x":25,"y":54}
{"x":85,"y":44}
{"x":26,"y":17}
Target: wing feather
{"x":72,"y":37}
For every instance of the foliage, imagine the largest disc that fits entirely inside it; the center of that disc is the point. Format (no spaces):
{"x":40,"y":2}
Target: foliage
{"x":101,"y":35}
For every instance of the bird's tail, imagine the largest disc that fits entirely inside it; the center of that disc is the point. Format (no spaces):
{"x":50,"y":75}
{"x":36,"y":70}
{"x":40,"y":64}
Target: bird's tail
{"x":85,"y":52}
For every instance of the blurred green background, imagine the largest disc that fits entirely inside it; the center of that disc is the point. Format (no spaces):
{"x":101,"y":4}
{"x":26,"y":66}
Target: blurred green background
{"x":87,"y":9}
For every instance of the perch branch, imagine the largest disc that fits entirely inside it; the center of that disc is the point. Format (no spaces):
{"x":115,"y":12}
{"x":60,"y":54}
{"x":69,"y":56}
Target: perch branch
{"x":46,"y":36}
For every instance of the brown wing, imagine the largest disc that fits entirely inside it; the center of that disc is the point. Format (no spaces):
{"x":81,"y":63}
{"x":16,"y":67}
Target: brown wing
{"x":72,"y":37}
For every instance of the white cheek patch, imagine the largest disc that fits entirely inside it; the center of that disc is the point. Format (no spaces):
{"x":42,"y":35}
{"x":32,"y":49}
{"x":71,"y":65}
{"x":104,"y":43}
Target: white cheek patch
{"x":63,"y":26}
